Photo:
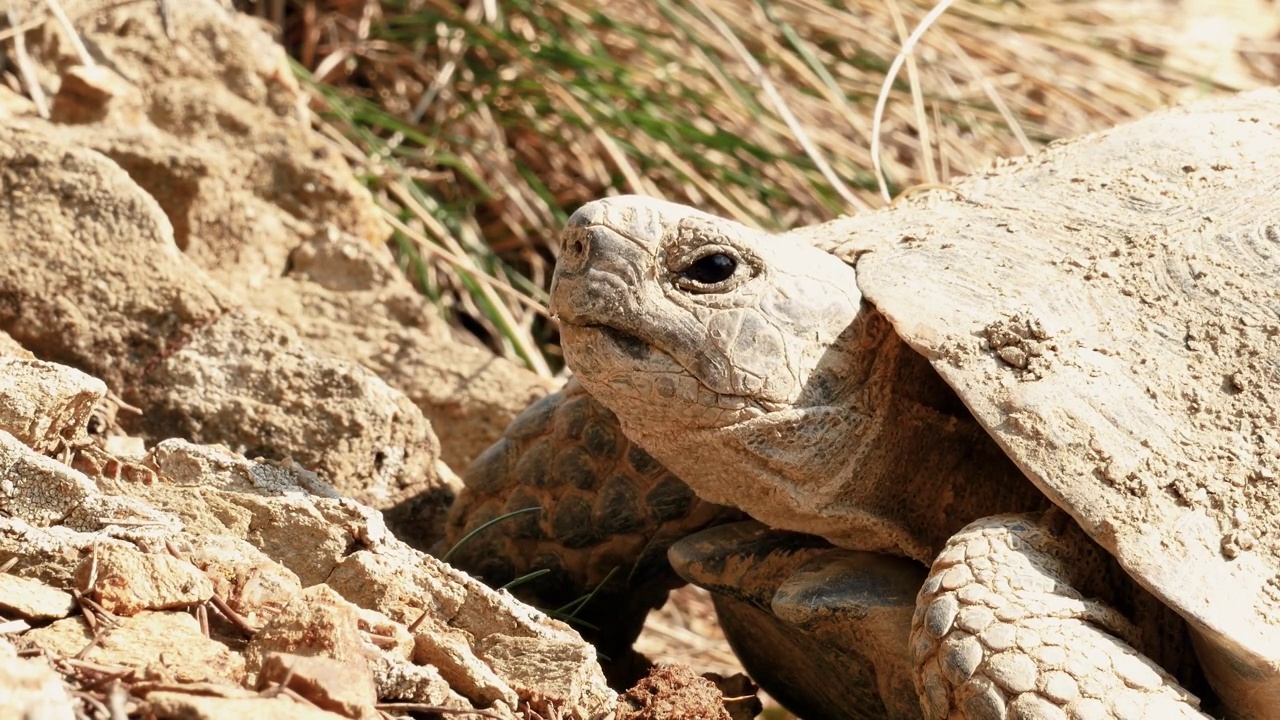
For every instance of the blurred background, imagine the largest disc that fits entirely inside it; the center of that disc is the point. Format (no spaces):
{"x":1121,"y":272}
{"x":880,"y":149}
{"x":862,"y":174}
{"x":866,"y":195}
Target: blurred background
{"x":480,"y":125}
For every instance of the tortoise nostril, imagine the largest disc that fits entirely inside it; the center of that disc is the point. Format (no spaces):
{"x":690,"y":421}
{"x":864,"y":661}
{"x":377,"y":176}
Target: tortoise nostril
{"x":575,"y":247}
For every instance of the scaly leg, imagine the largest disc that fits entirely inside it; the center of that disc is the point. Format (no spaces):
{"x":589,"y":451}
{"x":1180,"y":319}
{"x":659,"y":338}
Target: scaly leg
{"x":1000,"y":631}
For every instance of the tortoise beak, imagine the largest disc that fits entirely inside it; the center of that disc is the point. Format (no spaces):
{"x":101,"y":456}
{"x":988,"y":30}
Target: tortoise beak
{"x":571,"y":267}
{"x":574,"y":294}
{"x":604,"y":250}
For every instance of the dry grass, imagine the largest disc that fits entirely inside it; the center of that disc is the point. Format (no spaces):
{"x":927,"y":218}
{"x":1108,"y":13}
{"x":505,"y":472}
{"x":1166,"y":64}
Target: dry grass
{"x":481,"y":124}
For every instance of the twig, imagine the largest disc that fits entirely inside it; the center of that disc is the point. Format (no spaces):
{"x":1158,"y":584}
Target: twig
{"x":92,"y":581}
{"x":275,"y":688}
{"x":100,"y":622}
{"x":93,"y":643}
{"x":382,"y":641}
{"x":72,"y":36}
{"x":117,"y":696}
{"x":107,"y":677}
{"x":90,"y":666}
{"x":236,"y":618}
{"x":215,"y":599}
{"x":121,"y":404}
{"x":25,"y":66}
{"x":86,"y":608}
{"x":413,"y":626}
{"x":107,"y":617}
{"x":883,"y":98}
{"x":101,"y":707}
{"x":917,"y":96}
{"x":166,"y":18}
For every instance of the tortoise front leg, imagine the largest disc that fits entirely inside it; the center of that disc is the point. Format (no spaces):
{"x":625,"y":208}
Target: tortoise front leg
{"x":823,"y":630}
{"x":1001,"y":630}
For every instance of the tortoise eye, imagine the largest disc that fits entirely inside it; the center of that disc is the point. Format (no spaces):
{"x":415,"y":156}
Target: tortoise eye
{"x":711,"y":269}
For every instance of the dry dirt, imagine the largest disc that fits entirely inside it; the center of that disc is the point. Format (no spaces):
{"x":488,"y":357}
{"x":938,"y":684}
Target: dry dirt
{"x":227,"y":420}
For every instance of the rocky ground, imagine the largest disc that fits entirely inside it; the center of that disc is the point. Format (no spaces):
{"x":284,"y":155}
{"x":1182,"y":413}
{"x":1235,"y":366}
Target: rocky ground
{"x":190,"y":278}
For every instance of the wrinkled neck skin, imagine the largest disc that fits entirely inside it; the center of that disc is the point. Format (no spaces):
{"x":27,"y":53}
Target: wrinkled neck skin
{"x":801,"y":467}
{"x":779,"y":392}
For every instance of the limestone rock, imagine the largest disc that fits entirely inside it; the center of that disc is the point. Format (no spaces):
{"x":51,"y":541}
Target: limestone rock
{"x":51,"y":554}
{"x":122,"y":303}
{"x":10,"y":348}
{"x":233,"y":705}
{"x":44,"y":405}
{"x":88,"y":236}
{"x":32,"y":599}
{"x":345,"y":688}
{"x":251,"y":583}
{"x":186,"y":463}
{"x":35,"y":488}
{"x":450,"y":652}
{"x":29,"y":688}
{"x":246,"y":200}
{"x":252,"y":384}
{"x":422,"y":684}
{"x":350,"y":299}
{"x":561,"y":675}
{"x":318,"y":622}
{"x":166,"y":646}
{"x":126,"y":582}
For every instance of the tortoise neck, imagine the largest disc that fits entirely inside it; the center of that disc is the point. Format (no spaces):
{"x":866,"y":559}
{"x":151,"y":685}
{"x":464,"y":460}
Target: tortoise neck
{"x":927,"y":467}
{"x":897,"y":465}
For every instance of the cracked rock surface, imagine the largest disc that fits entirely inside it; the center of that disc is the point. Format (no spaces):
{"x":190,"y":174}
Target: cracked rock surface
{"x":229,"y":576}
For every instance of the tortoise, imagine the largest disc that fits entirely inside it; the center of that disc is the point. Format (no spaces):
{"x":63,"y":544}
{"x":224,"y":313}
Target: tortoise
{"x":1008,"y":449}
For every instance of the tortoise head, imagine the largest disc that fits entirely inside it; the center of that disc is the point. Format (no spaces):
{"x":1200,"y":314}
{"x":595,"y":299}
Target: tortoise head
{"x":741,"y":360}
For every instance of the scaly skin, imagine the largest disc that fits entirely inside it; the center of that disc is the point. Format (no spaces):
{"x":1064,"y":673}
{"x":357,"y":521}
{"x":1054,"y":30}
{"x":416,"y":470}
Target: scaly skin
{"x":609,"y":511}
{"x":999,"y":631}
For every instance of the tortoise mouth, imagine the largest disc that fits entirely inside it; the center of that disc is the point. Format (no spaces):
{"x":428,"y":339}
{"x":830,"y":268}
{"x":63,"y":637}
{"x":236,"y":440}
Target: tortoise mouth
{"x":641,"y":381}
{"x":621,"y":340}
{"x":626,"y":342}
